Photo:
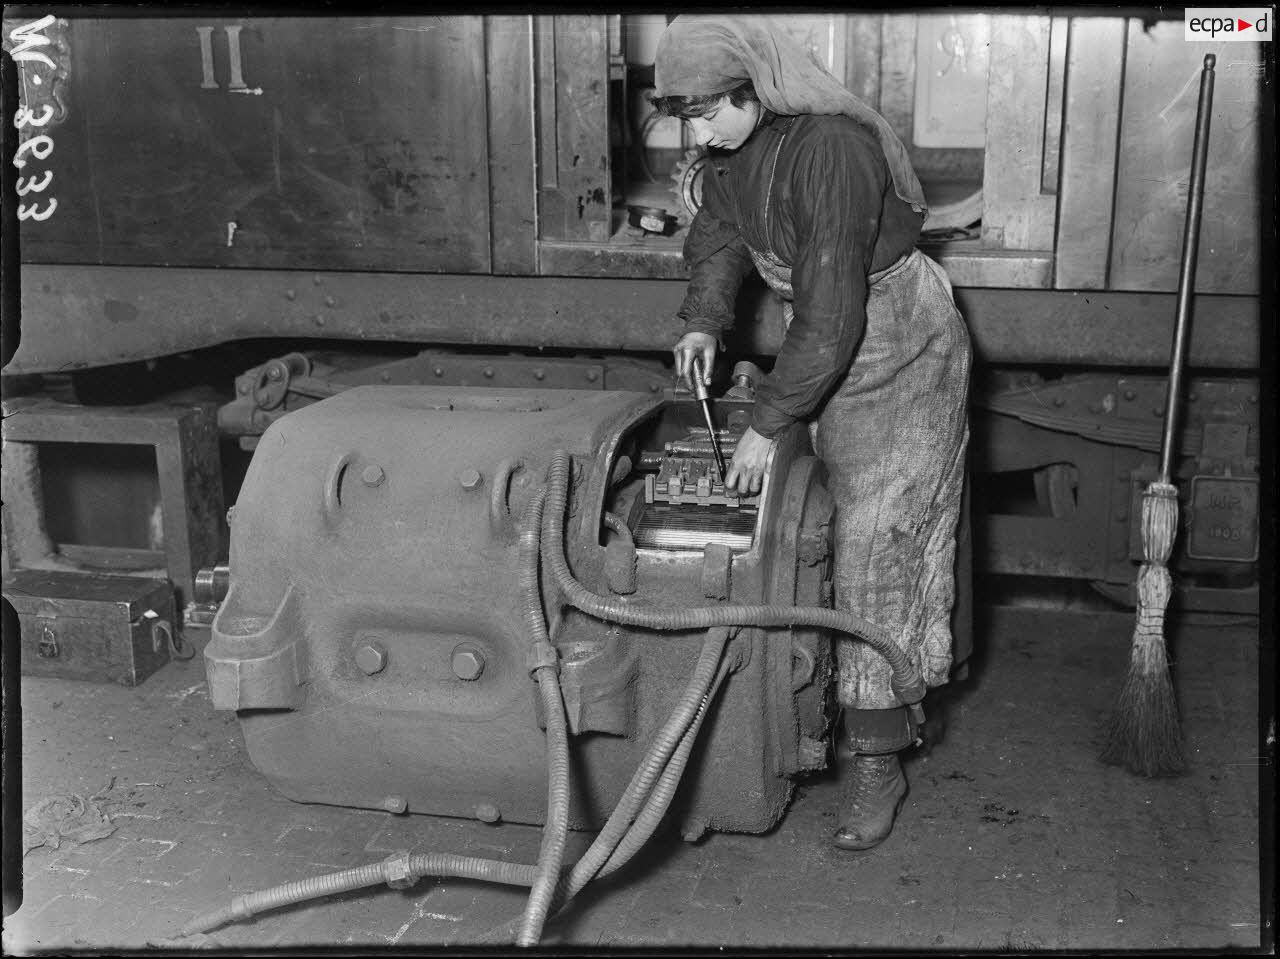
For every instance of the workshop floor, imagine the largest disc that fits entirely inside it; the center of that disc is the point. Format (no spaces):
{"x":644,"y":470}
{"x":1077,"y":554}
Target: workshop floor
{"x":1013,"y":837}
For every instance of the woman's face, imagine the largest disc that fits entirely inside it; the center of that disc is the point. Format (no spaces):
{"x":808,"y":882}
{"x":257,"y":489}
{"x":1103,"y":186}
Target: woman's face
{"x":725,"y":126}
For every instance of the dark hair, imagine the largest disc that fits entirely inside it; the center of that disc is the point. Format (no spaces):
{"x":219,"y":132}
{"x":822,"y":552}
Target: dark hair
{"x":685,"y":108}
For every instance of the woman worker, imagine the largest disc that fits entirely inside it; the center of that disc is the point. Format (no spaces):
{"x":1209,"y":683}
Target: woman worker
{"x":812,"y":188}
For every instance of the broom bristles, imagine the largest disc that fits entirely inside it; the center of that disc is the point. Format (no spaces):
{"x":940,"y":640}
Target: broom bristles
{"x":1144,"y":734}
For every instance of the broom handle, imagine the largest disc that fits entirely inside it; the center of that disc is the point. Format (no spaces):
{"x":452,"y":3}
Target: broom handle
{"x":1187,"y":276}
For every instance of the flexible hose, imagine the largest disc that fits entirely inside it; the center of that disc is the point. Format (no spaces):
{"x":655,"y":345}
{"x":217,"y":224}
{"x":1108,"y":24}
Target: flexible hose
{"x":907,"y":682}
{"x":551,"y":853}
{"x":650,"y":768}
{"x":660,"y":799}
{"x":430,"y":864}
{"x":674,"y":732}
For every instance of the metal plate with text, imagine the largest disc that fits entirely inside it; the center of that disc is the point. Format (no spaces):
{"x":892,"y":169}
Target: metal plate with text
{"x":1224,"y":519}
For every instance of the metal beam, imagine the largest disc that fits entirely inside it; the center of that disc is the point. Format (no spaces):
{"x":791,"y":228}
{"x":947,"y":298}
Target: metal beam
{"x":76,"y":317}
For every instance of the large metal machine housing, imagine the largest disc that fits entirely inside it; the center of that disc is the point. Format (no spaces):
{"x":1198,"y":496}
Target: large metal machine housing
{"x":373,"y":642}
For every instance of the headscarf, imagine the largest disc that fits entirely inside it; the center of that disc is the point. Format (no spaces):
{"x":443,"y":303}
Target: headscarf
{"x":707,"y":55}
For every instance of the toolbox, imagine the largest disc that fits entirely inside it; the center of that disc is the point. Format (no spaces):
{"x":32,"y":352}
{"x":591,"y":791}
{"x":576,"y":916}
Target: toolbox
{"x":81,"y":625}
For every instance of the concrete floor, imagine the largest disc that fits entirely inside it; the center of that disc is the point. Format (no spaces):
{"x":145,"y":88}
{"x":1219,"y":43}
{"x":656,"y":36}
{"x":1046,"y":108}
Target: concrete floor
{"x":1013,"y":837}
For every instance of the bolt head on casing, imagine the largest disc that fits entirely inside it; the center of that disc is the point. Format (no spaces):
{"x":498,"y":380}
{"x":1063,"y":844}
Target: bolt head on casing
{"x":373,"y":475}
{"x":371,"y":658}
{"x":470,"y":479}
{"x":488,"y":812}
{"x":468,"y":662}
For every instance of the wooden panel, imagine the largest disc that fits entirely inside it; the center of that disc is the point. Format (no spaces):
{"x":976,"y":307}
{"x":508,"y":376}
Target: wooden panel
{"x":1095,"y":71}
{"x":579,"y":206}
{"x":1016,"y":216}
{"x":1161,"y":89}
{"x":544,"y":51}
{"x":337,"y":143}
{"x":1053,"y":110}
{"x":862,"y":59}
{"x":512,"y":190}
{"x":898,"y":73}
{"x":939,"y":169}
{"x":952,"y":54}
{"x":1012,"y":269}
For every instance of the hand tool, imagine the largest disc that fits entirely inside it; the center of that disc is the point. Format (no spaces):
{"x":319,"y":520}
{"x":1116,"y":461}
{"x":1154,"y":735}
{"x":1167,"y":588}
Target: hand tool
{"x":704,"y":398}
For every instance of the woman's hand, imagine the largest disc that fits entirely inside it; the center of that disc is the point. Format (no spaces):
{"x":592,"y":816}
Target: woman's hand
{"x":702,"y":345}
{"x":746,"y":472}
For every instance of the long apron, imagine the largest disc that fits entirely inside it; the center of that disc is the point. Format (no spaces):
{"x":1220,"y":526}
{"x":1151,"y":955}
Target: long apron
{"x":893,"y":435}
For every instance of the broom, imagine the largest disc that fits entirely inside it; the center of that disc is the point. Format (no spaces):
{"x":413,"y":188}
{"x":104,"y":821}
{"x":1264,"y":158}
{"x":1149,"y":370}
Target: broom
{"x":1144,"y":735}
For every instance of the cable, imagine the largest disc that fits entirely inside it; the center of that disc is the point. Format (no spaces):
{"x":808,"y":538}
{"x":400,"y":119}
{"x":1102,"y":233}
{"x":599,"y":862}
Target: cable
{"x":545,"y":669}
{"x":656,"y":805}
{"x":906,"y":681}
{"x":416,"y":866}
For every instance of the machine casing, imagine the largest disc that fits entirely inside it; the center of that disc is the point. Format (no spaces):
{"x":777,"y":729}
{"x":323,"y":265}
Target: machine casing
{"x":374,"y":564}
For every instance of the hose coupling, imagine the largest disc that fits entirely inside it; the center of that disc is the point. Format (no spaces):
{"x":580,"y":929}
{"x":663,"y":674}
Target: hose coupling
{"x":542,"y":654}
{"x":397,"y":871}
{"x":910,"y":691}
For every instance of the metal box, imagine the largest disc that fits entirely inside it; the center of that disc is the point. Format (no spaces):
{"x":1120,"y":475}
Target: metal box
{"x":91,"y":626}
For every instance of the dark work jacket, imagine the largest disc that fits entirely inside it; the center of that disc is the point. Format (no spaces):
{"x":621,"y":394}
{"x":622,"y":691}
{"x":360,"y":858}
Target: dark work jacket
{"x":833,"y":217}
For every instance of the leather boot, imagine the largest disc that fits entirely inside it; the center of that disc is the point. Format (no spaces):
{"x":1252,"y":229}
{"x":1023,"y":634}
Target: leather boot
{"x":874,"y":789}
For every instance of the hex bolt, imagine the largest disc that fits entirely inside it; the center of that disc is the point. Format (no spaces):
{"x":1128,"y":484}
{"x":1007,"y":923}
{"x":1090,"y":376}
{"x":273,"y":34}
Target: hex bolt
{"x":488,"y":372}
{"x":371,"y":658}
{"x":592,"y":376}
{"x":1130,"y":395}
{"x":373,"y":475}
{"x":470,"y":479}
{"x":385,"y":376}
{"x":328,"y":301}
{"x":488,"y":812}
{"x":316,"y":279}
{"x":438,"y":371}
{"x":274,"y":373}
{"x":468,"y":662}
{"x":395,"y":804}
{"x":319,"y":320}
{"x":290,"y":295}
{"x":539,"y":373}
{"x":242,"y":389}
{"x":1059,"y":401}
